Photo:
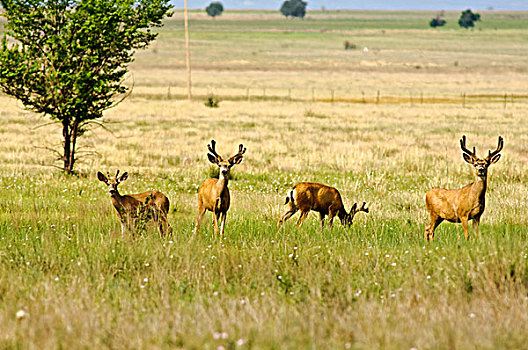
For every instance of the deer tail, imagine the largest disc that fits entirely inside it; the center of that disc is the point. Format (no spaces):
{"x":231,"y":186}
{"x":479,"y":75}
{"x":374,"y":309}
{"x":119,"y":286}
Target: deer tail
{"x":289,"y":197}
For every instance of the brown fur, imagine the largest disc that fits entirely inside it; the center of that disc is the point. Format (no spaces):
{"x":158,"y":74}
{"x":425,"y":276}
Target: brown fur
{"x":145,"y":206}
{"x":325,"y":200}
{"x":467,"y":203}
{"x":213,"y":194}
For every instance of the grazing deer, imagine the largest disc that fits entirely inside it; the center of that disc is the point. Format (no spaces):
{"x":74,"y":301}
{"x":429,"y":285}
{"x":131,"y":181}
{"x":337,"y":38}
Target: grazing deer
{"x":213,"y":194}
{"x":464,"y":204}
{"x":326,"y":200}
{"x":134,"y":210}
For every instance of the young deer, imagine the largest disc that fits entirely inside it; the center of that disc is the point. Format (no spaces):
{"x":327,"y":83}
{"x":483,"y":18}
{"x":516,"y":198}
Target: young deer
{"x":467,"y":203}
{"x":213,"y":194}
{"x":326,"y":200}
{"x":134,"y":210}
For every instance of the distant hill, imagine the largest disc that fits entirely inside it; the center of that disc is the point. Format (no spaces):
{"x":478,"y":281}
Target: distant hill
{"x":511,"y":5}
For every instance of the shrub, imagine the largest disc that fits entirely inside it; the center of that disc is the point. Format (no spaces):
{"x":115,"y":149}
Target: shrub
{"x":468,"y":19}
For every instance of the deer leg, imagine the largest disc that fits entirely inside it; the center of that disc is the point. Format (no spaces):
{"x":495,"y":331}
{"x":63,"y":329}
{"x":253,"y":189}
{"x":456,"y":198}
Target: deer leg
{"x":476,"y":222}
{"x":201,"y":212}
{"x":331,"y":216}
{"x":303,"y":216}
{"x":216,"y":218}
{"x":322,"y":216}
{"x":286,"y":216}
{"x":464,"y":222}
{"x":429,"y":229}
{"x":163,"y":224}
{"x":224,"y":215}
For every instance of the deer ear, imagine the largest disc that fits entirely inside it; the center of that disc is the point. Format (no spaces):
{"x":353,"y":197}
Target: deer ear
{"x":123,"y":177}
{"x":101,"y":177}
{"x":212,"y":158}
{"x":468,"y":159}
{"x":495,"y":159}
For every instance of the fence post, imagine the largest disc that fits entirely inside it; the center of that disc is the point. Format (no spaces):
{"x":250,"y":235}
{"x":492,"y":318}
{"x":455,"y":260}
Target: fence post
{"x":363,"y":96}
{"x":378,"y":98}
{"x":505,"y":99}
{"x":168,"y":93}
{"x":332,"y":91}
{"x":464,"y":100}
{"x":313,"y":94}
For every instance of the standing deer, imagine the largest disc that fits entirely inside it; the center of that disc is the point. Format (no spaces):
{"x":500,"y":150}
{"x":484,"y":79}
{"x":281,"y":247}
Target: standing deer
{"x":326,"y":200}
{"x":464,"y":204}
{"x":134,"y":210}
{"x":213,"y":194}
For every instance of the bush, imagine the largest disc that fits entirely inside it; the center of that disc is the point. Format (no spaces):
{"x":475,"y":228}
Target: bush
{"x":214,"y":9}
{"x":212,"y":102}
{"x":349,"y":45}
{"x":437,"y":22}
{"x":294,"y":8}
{"x":468,"y":19}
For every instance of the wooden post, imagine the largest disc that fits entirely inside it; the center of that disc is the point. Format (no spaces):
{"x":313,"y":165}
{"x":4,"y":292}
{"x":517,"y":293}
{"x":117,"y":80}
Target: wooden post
{"x":313,"y":94}
{"x":187,"y":54}
{"x":378,"y":97}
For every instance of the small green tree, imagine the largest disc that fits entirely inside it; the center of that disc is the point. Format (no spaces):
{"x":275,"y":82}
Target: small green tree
{"x":437,"y":22}
{"x":67,"y":58}
{"x":468,"y":19}
{"x":214,"y":9}
{"x":294,"y":8}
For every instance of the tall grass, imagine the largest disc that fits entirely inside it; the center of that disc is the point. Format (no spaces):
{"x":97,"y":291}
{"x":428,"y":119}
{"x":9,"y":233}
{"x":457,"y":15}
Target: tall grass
{"x":64,"y":262}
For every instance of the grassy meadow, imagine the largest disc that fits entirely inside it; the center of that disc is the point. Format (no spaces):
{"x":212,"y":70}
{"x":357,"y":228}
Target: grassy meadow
{"x":80,"y":284}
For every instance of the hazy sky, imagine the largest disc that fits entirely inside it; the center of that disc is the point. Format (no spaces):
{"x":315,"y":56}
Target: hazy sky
{"x":370,"y":4}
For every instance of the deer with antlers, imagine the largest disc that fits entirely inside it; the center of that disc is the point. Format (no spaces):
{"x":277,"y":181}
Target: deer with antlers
{"x":134,"y":210}
{"x":213,"y":194}
{"x":464,"y":204}
{"x":323,"y":199}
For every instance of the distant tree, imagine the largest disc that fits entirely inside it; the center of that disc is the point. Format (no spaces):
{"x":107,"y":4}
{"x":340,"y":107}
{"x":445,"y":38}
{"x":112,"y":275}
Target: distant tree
{"x":468,"y":19}
{"x":214,"y":9}
{"x":67,"y":59}
{"x":294,"y":8}
{"x":437,"y":22}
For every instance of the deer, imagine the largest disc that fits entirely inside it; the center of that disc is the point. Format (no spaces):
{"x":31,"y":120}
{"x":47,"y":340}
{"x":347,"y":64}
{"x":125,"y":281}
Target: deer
{"x":213,"y":194}
{"x":134,"y":210}
{"x":325,"y":200}
{"x":466,"y":203}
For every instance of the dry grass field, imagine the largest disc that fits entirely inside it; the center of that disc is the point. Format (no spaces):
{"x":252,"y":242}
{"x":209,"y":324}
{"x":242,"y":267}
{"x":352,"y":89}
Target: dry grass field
{"x":81,"y":284}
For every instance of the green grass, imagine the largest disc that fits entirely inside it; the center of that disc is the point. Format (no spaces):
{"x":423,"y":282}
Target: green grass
{"x":376,"y":285}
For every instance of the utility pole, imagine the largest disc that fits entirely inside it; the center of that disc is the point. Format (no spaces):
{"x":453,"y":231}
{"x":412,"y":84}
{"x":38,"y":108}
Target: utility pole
{"x":187,"y":56}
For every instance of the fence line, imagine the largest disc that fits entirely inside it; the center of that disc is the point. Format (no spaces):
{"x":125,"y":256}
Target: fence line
{"x":328,"y":96}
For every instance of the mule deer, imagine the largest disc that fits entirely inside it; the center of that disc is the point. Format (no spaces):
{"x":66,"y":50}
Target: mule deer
{"x":326,"y":200}
{"x":134,"y":210}
{"x":464,"y":204}
{"x":213,"y":194}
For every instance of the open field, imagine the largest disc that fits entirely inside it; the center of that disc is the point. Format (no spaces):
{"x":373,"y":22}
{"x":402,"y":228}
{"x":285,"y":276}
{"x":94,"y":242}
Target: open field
{"x":375,"y":285}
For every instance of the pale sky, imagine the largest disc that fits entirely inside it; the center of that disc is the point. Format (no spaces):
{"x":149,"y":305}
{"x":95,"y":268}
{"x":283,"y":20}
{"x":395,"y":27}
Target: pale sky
{"x":516,"y":5}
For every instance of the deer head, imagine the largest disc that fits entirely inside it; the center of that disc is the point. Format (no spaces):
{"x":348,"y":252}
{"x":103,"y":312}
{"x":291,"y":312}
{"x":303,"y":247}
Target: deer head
{"x":224,"y":165}
{"x":112,"y":183}
{"x":481,"y":164}
{"x":353,"y":211}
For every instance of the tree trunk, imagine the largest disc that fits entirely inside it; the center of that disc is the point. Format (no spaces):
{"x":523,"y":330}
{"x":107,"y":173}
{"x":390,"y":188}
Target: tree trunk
{"x":74,"y":132}
{"x":67,"y":144}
